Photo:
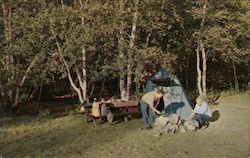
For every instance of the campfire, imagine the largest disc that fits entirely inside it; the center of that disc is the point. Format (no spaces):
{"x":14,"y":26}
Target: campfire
{"x":167,"y":124}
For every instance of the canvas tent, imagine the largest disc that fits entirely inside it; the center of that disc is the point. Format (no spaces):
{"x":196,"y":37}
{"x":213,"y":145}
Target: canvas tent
{"x":175,"y":99}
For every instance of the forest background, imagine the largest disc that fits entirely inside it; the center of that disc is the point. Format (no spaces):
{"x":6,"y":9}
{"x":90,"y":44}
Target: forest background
{"x":79,"y":47}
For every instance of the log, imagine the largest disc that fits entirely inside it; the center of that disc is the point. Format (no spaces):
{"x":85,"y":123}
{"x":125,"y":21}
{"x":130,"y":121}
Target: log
{"x":191,"y":128}
{"x":182,"y":129}
{"x":170,"y":128}
{"x":161,"y":121}
{"x":174,"y":118}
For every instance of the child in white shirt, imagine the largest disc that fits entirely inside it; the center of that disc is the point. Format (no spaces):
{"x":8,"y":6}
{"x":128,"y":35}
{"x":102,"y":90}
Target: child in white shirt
{"x":201,"y":112}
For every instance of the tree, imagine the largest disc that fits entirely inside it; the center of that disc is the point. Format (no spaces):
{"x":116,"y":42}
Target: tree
{"x":220,"y":33}
{"x":22,"y":54}
{"x":201,"y":77}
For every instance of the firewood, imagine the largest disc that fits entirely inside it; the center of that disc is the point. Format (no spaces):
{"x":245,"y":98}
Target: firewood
{"x":174,"y":118}
{"x":170,"y":128}
{"x":191,"y":128}
{"x":182,"y":129}
{"x":161,"y":121}
{"x":188,"y":123}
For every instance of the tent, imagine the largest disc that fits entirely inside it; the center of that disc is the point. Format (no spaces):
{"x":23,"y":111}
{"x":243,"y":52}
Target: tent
{"x":175,"y":99}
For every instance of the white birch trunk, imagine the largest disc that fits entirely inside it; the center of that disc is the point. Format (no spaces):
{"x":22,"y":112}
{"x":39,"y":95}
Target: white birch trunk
{"x":6,"y":34}
{"x":204,"y":70}
{"x":121,"y":53}
{"x":201,"y":76}
{"x":198,"y":69}
{"x":84,"y":74}
{"x":26,"y":74}
{"x":62,"y":3}
{"x":8,"y":60}
{"x":202,"y":49}
{"x":131,"y":46}
{"x":84,"y":61}
{"x":72,"y":82}
{"x":79,"y":93}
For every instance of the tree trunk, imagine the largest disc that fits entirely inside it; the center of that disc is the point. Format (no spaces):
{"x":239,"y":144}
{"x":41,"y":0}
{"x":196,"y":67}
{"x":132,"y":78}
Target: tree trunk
{"x":131,"y":46}
{"x":122,"y":85}
{"x":236,"y":83}
{"x":201,"y":76}
{"x":80,"y":96}
{"x":129,"y":80}
{"x":72,"y":82}
{"x":202,"y":49}
{"x":121,"y":47}
{"x":198,"y":70}
{"x":39,"y":97}
{"x":147,"y":40}
{"x":5,"y":100}
{"x":84,"y":60}
{"x":92,"y":89}
{"x":32,"y":64}
{"x":62,"y":3}
{"x":187,"y":75}
{"x":32,"y":93}
{"x":204,"y":69}
{"x":102,"y":87}
{"x":82,"y":77}
{"x":8,"y":60}
{"x":84,"y":74}
{"x":229,"y":78}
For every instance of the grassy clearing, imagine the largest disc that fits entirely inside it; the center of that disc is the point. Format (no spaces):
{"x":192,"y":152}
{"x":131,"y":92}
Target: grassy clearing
{"x":70,"y":136}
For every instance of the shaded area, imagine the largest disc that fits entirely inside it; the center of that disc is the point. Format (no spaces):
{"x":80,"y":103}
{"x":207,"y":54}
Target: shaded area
{"x":215,"y":116}
{"x":165,"y":82}
{"x":173,"y":107}
{"x":57,"y":139}
{"x":160,"y":106}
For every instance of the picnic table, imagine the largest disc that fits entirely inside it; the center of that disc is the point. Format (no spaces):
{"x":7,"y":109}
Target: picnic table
{"x":126,"y":104}
{"x":118,"y":108}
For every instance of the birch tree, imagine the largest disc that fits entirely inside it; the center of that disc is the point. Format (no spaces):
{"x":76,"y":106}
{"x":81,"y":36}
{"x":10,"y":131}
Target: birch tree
{"x":221,"y":29}
{"x":20,"y":46}
{"x":121,"y":47}
{"x":201,"y":75}
{"x":68,"y":48}
{"x":132,"y":47}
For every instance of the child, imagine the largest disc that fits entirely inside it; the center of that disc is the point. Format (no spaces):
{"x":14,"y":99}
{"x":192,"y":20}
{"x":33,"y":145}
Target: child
{"x":96,"y":108}
{"x":201,"y":112}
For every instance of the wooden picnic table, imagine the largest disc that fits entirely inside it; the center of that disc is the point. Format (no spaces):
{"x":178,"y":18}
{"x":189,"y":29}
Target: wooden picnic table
{"x":126,"y":104}
{"x":118,"y":108}
{"x":124,"y":109}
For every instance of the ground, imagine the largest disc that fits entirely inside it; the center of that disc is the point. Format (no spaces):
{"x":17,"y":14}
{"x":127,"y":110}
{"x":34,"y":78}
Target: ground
{"x":70,"y":136}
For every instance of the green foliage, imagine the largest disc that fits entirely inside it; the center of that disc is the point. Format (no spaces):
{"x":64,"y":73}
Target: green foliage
{"x":225,"y":35}
{"x":166,"y":35}
{"x":223,"y":30}
{"x":23,"y":34}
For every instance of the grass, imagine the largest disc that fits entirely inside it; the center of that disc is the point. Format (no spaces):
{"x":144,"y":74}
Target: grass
{"x":70,"y":136}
